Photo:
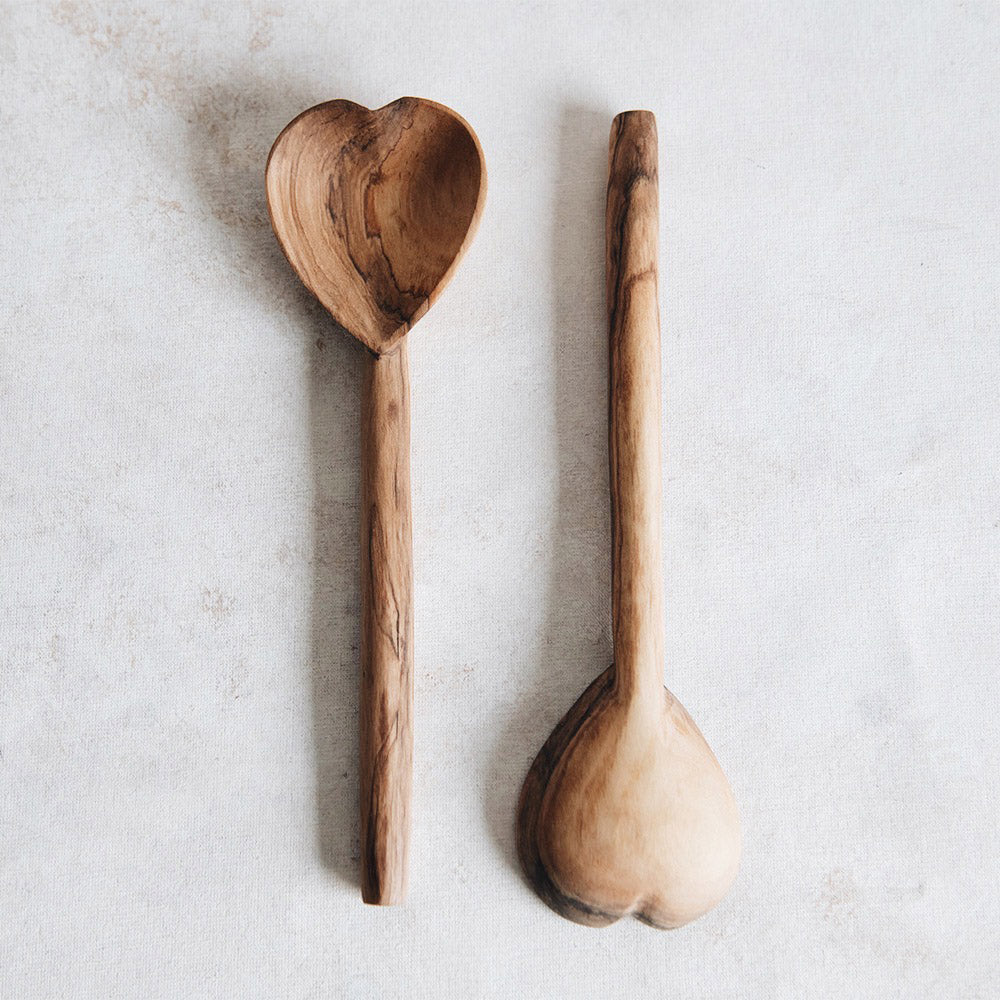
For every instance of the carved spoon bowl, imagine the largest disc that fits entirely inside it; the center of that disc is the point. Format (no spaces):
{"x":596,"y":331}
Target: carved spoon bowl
{"x":374,"y":209}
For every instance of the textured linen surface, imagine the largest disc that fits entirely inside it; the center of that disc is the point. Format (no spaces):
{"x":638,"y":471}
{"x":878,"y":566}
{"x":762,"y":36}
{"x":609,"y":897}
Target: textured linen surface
{"x":179,"y":520}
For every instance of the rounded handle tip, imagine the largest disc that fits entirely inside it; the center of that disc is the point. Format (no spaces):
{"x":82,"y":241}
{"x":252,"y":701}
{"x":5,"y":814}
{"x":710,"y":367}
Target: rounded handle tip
{"x":633,"y":144}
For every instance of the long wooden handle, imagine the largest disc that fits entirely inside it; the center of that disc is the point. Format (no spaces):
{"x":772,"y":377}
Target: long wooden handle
{"x":386,"y":704}
{"x":634,"y":446}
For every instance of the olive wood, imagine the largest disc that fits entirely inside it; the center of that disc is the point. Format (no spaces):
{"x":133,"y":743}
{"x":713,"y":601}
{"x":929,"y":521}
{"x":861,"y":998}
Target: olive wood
{"x":626,"y":810}
{"x":374,"y":209}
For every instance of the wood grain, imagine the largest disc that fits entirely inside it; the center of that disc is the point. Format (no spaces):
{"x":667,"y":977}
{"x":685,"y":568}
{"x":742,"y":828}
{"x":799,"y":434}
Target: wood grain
{"x":632,"y":241}
{"x":374,"y":209}
{"x":626,"y":810}
{"x":386,"y":702}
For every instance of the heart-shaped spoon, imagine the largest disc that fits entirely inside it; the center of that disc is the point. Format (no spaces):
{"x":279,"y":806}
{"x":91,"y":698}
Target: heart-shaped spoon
{"x":625,"y":809}
{"x":374,"y":209}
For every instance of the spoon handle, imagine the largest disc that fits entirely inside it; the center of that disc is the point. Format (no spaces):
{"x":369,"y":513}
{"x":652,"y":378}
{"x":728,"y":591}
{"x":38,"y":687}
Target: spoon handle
{"x":632,"y":235}
{"x":386,"y":703}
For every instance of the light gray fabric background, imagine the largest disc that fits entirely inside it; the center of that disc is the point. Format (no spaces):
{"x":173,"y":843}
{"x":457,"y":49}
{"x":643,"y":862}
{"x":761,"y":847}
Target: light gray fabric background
{"x":179,"y":473}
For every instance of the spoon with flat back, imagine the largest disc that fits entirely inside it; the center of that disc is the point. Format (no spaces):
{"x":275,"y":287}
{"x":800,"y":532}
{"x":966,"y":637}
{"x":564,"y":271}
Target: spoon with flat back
{"x":374,"y":209}
{"x":626,"y":810}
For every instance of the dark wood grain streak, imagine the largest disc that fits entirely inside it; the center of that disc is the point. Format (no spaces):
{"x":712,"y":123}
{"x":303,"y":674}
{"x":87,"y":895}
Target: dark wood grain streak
{"x":625,"y":809}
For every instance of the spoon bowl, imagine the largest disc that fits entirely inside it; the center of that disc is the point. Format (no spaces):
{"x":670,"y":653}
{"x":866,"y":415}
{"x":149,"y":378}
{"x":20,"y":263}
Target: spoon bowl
{"x":626,"y":811}
{"x":374,"y":209}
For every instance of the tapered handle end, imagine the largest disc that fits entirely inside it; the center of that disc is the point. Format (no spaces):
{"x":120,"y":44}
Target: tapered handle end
{"x":633,"y":143}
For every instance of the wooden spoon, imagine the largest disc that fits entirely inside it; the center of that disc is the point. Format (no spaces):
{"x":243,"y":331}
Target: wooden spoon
{"x":374,"y":209}
{"x":625,"y":809}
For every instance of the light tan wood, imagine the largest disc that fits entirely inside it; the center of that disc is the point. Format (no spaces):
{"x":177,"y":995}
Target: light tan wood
{"x":625,"y":809}
{"x":374,"y":209}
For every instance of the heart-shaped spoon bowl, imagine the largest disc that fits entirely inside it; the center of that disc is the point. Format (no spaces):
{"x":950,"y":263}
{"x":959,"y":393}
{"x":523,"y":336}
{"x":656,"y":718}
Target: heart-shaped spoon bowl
{"x":626,"y":811}
{"x":374,"y":209}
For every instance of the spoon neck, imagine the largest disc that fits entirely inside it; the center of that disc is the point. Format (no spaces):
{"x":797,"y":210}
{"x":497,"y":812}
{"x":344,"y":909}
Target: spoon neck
{"x":634,"y":427}
{"x":637,"y":602}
